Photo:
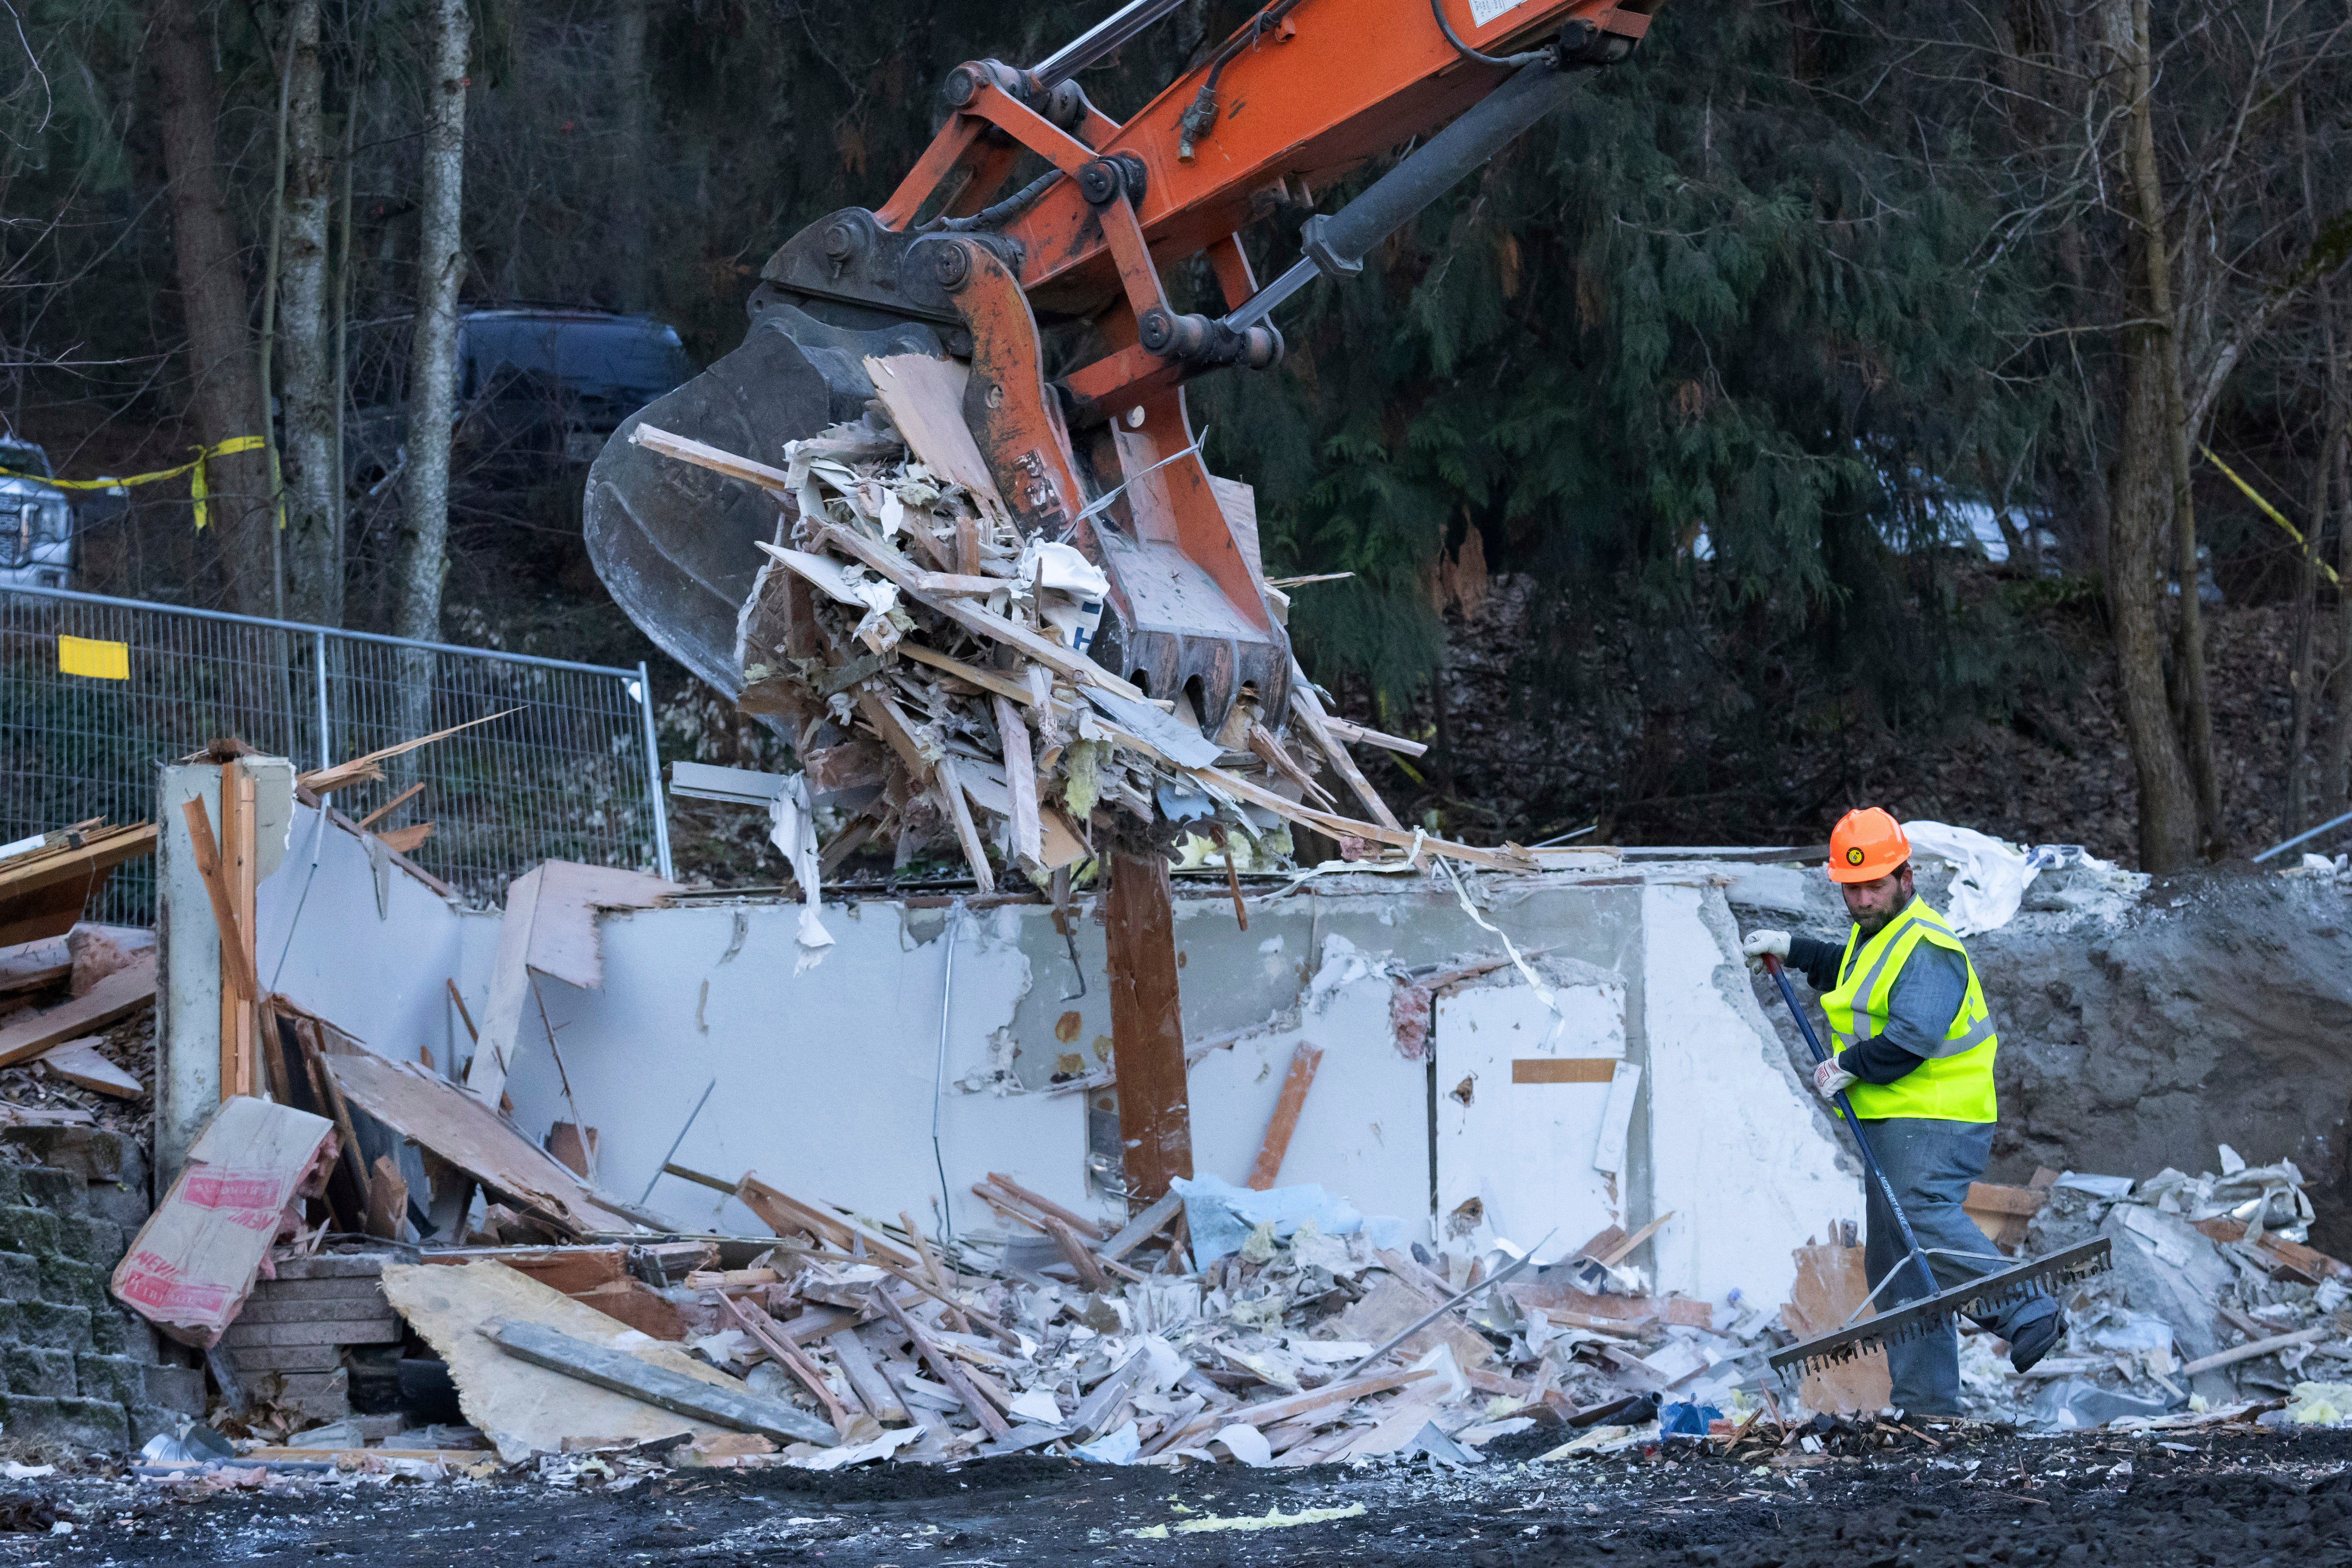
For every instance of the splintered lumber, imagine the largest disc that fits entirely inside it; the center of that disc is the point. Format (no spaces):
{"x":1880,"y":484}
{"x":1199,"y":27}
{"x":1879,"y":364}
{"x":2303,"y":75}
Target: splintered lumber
{"x":951,"y":795}
{"x":235,"y":958}
{"x":118,"y":994}
{"x":363,"y":769}
{"x":1155,"y":1118}
{"x":945,"y":1365}
{"x":784,"y":1215}
{"x":1046,"y":1205}
{"x":447,"y":1120}
{"x":923,"y":395}
{"x":1359,"y":735}
{"x":1304,"y":1059}
{"x":686,"y":449}
{"x":2306,"y":1264}
{"x":1267,"y":1413}
{"x":44,"y":890}
{"x":79,"y":1061}
{"x":1311,"y":717}
{"x":857,"y":1365}
{"x":1830,"y":1283}
{"x":1083,"y":1264}
{"x":1021,"y":781}
{"x":192,"y":1264}
{"x":788,"y":1355}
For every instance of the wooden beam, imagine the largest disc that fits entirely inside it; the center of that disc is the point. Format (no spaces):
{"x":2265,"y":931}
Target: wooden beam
{"x":217,"y":890}
{"x":975,"y":853}
{"x":1021,"y":783}
{"x":1147,"y":1026}
{"x":1304,"y":1059}
{"x":1310,"y":716}
{"x":945,"y":1365}
{"x":982,"y":678}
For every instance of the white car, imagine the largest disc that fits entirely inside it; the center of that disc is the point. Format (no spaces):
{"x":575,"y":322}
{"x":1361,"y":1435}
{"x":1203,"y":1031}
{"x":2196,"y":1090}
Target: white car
{"x":37,"y":522}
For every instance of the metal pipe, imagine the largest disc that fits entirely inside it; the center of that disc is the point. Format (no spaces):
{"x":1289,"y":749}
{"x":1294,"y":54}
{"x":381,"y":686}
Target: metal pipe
{"x":2299,"y":837}
{"x":653,"y":774}
{"x":319,"y":674}
{"x":1106,"y":38}
{"x":1338,"y":243}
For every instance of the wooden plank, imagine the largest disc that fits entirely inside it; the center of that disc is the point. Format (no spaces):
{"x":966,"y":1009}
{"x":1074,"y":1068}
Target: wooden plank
{"x":1020,"y":779}
{"x":1044,"y":1205}
{"x":1359,"y":735}
{"x":784,"y":1213}
{"x":985,"y":679}
{"x":1624,"y":1249}
{"x":118,"y":994}
{"x":461,"y":1130}
{"x":360,"y":770}
{"x":217,"y":891}
{"x":1265,"y":1413}
{"x":194,"y":1261}
{"x":407,"y":840}
{"x":702,"y":455}
{"x":1563,"y":1069}
{"x":525,"y":1409}
{"x":394,"y":803}
{"x":240,"y":871}
{"x":2308,"y":1264}
{"x":1394,"y":1303}
{"x":953,"y":583}
{"x":1310,"y":715}
{"x":951,"y":795}
{"x":44,"y":892}
{"x":657,"y":1385}
{"x":1279,"y":1127}
{"x":924,"y":398}
{"x":789,"y":1356}
{"x":1143,"y":1226}
{"x":872,"y":1387}
{"x":1155,"y":1121}
{"x":945,"y":1367}
{"x":79,"y":1061}
{"x":1074,"y":1252}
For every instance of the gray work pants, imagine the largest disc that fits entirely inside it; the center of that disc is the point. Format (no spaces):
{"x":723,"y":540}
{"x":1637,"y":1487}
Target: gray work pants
{"x":1930,"y":1164}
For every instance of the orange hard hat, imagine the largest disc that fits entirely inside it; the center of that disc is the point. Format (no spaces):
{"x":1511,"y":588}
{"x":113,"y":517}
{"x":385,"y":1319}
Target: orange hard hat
{"x":1866,"y":845}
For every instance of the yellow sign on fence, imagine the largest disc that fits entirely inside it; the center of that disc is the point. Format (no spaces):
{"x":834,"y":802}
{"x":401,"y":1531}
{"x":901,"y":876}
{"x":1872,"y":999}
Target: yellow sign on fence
{"x":88,"y":655}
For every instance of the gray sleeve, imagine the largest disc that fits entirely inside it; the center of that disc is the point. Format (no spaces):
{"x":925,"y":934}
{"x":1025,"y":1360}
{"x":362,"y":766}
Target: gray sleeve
{"x":1926,"y":998}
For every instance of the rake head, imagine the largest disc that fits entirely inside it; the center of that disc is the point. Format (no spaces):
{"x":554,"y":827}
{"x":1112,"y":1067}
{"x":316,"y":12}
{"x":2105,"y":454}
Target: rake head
{"x":1981,"y":1297}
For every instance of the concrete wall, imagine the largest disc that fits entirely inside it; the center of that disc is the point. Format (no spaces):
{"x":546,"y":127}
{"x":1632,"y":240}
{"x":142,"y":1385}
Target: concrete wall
{"x":835,"y":1081}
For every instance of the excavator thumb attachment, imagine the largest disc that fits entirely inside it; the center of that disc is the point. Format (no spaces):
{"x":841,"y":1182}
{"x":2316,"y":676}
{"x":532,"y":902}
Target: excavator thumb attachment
{"x":677,"y":545}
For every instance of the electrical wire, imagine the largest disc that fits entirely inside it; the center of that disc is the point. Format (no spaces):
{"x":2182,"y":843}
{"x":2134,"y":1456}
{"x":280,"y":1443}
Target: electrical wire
{"x":939,"y":1070}
{"x":1509,"y":62}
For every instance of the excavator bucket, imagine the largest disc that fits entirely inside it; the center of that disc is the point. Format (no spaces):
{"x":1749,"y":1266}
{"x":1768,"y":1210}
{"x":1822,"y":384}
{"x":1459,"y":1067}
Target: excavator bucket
{"x":676,"y":545}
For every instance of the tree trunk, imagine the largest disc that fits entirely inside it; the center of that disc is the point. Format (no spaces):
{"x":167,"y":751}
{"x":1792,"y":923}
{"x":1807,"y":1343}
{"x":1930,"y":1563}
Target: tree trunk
{"x":224,"y":389}
{"x":314,"y":511}
{"x":2144,"y":490}
{"x":633,"y":288}
{"x":2189,"y":625}
{"x":423,"y":544}
{"x":2303,"y":694}
{"x":2335,"y":758}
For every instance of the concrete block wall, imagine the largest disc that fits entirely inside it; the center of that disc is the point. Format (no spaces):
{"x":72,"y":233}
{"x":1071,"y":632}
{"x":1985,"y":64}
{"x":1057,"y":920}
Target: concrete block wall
{"x":75,"y":1367}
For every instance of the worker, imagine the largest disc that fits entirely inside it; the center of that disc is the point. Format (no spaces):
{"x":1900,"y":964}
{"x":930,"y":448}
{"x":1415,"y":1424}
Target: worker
{"x":1912,"y":1048}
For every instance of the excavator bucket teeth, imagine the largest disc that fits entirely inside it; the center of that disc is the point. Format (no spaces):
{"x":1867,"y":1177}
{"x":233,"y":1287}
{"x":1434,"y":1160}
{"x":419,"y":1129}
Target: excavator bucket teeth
{"x":677,"y":545}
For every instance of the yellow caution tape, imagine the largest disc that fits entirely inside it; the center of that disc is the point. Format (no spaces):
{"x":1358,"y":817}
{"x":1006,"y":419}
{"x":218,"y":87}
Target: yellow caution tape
{"x":2268,"y":511}
{"x":92,"y":656}
{"x":198,"y":490}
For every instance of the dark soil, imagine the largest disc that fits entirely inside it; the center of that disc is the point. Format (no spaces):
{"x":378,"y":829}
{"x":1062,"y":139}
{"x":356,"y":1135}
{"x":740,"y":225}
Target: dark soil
{"x":2170,"y":1498}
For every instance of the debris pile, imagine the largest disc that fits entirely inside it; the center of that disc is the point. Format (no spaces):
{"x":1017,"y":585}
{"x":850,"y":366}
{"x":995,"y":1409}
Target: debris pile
{"x":933,"y":666}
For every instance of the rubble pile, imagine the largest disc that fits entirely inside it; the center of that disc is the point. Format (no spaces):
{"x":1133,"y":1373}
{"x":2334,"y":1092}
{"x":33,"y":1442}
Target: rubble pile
{"x":932,"y":665}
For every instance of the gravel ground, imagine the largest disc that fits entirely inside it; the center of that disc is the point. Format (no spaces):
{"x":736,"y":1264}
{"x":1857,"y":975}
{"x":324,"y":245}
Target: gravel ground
{"x":1988,"y":1497}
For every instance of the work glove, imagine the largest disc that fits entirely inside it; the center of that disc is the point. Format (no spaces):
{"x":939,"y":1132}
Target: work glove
{"x":1760,"y":942}
{"x":1828,"y":1078}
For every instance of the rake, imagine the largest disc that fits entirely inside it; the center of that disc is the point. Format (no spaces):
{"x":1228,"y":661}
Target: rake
{"x":1981,"y":1297}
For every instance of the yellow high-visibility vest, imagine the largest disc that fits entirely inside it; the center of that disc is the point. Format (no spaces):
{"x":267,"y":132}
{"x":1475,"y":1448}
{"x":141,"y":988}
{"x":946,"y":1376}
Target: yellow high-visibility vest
{"x":1955,"y":1083}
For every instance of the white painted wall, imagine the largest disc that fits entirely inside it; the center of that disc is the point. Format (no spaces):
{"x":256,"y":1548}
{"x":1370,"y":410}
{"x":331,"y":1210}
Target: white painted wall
{"x":1739,"y":1151}
{"x":376,"y":966}
{"x":1524,"y":1151}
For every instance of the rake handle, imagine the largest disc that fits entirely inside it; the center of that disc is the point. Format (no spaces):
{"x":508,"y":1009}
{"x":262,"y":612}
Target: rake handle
{"x":1773,"y":967}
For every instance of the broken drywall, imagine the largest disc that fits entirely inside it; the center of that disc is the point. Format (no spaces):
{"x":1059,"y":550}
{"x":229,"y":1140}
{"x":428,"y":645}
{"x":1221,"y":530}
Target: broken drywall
{"x":1738,"y":1150}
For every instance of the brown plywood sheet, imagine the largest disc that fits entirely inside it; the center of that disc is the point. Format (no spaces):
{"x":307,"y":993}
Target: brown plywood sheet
{"x":521,"y":1408}
{"x":1830,"y":1283}
{"x":461,"y":1130}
